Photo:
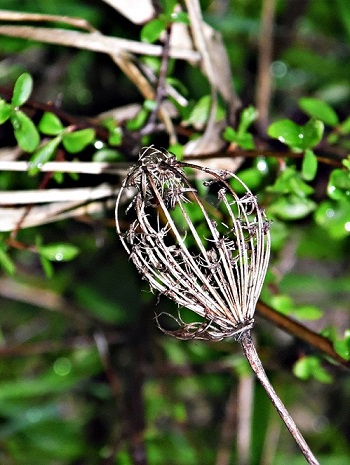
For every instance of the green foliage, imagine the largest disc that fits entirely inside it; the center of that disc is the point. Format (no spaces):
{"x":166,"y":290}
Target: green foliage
{"x":285,"y":304}
{"x":22,"y":90}
{"x":60,"y":252}
{"x":242,"y":137}
{"x":50,"y":124}
{"x":25,"y":131}
{"x":319,"y":109}
{"x":152,"y":30}
{"x":310,"y":367}
{"x":76,"y":141}
{"x":297,"y":137}
{"x":5,"y":261}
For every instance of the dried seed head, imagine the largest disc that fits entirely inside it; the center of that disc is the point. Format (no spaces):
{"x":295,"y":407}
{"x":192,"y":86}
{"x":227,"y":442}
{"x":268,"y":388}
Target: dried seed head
{"x":207,"y":250}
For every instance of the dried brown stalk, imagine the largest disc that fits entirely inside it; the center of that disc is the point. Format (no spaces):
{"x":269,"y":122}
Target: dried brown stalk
{"x":213,"y":265}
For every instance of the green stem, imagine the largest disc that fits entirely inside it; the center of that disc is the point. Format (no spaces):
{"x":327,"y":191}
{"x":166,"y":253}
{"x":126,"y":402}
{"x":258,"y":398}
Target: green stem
{"x":254,"y":361}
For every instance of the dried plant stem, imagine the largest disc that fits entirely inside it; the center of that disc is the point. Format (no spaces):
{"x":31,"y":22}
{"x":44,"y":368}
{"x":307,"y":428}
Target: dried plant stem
{"x":254,"y":361}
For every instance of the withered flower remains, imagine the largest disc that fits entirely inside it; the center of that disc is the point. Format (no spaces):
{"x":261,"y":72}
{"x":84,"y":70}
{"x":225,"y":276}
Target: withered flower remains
{"x":207,"y":255}
{"x":205,"y":247}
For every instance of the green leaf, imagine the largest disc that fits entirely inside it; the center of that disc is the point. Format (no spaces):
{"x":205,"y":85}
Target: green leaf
{"x":344,"y":127}
{"x":5,"y":261}
{"x":25,"y":131}
{"x":50,"y":124}
{"x":292,"y":207}
{"x":248,"y":116}
{"x":107,"y":155}
{"x":59,"y":252}
{"x":180,"y":17}
{"x":307,"y":312}
{"x":115,"y":136}
{"x":311,"y":133}
{"x":282,"y":303}
{"x":5,"y":111}
{"x":22,"y":90}
{"x":76,"y":141}
{"x":339,"y":185}
{"x":297,"y":137}
{"x":309,"y":165}
{"x":310,"y":367}
{"x":342,"y":346}
{"x":319,"y":109}
{"x":43,"y":155}
{"x":200,"y":112}
{"x":47,"y":266}
{"x":334,"y":216}
{"x":140,"y":119}
{"x":177,"y":149}
{"x":168,"y":6}
{"x":153,"y":29}
{"x":287,"y":132}
{"x":229,"y":134}
{"x":290,"y":182}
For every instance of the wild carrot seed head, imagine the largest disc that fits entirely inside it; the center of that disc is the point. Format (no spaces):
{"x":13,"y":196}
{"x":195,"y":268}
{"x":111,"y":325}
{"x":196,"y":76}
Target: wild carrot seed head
{"x":207,"y":249}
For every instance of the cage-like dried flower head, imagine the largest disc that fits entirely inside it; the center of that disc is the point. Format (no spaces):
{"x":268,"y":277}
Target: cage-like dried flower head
{"x":206,"y":248}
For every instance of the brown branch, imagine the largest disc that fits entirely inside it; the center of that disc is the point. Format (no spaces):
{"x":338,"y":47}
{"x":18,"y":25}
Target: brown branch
{"x":291,"y":326}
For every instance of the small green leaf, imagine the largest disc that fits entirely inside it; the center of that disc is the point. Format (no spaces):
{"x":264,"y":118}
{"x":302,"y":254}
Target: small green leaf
{"x":319,"y":109}
{"x":50,"y":124}
{"x":310,"y":367}
{"x":287,"y":132}
{"x":177,"y":149}
{"x":140,"y":119}
{"x":153,"y":29}
{"x":47,"y":266}
{"x":115,"y":136}
{"x":43,"y":155}
{"x":309,"y":165}
{"x":107,"y":155}
{"x":76,"y":141}
{"x":307,"y":312}
{"x":5,"y":111}
{"x":200,"y":113}
{"x":5,"y":261}
{"x":59,"y":252}
{"x":344,"y":127}
{"x":334,"y":216}
{"x":246,"y":141}
{"x":180,"y":17}
{"x":342,"y":347}
{"x":22,"y":90}
{"x":282,"y":303}
{"x":311,"y":133}
{"x":25,"y":131}
{"x":339,"y":184}
{"x":292,"y":207}
{"x":248,"y":116}
{"x":229,"y":134}
{"x":168,"y":6}
{"x":290,"y":182}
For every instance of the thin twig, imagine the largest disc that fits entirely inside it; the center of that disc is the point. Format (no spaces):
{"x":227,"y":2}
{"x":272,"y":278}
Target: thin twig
{"x":291,"y":326}
{"x":263,"y":86}
{"x":254,"y":361}
{"x":161,"y":92}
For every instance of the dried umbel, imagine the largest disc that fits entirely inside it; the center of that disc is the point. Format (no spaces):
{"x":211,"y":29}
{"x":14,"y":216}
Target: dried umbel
{"x":206,"y":248}
{"x":208,"y":257}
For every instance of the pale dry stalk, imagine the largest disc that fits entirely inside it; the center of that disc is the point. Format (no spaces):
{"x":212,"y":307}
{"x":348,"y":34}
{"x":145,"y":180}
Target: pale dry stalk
{"x":206,"y":248}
